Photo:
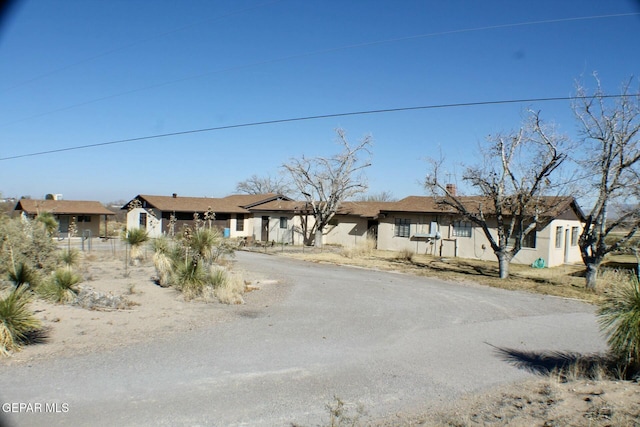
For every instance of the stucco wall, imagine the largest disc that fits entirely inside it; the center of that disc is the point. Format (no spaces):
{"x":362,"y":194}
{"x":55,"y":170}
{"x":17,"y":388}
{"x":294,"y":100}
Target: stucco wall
{"x":349,"y":231}
{"x":476,"y":246}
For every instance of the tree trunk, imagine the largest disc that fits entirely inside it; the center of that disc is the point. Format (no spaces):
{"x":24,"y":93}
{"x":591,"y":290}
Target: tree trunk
{"x":591,"y":275}
{"x":318,"y":239}
{"x":503,"y":264}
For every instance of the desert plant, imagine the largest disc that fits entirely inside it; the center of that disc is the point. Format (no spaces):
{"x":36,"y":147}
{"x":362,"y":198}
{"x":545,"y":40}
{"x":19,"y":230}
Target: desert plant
{"x":48,"y":221}
{"x":190,"y":277}
{"x":25,"y":241}
{"x":162,"y":260}
{"x":405,"y":255}
{"x":135,"y":238}
{"x":619,"y":317}
{"x":70,"y":257}
{"x":61,"y":286}
{"x":22,"y":274}
{"x":16,"y":319}
{"x":230,"y":287}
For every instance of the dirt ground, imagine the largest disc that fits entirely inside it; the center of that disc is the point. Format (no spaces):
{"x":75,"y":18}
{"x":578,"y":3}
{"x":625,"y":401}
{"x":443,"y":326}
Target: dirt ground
{"x":154,"y":312}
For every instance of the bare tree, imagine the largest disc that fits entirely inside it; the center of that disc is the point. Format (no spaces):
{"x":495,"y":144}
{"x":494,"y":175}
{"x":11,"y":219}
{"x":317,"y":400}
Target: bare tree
{"x":264,"y":185}
{"x":383,"y":196}
{"x":326,"y":182}
{"x":611,"y":136}
{"x":510,"y":184}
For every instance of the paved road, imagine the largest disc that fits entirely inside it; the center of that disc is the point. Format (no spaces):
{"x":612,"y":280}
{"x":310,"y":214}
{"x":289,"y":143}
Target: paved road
{"x":388,"y":341}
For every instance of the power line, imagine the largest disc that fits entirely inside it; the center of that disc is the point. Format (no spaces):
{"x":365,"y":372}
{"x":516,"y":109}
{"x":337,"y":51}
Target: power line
{"x":313,"y":53}
{"x":316,"y":117}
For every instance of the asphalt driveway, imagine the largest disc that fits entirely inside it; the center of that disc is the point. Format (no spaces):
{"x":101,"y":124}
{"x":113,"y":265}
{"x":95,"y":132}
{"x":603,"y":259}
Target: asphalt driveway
{"x":388,"y":341}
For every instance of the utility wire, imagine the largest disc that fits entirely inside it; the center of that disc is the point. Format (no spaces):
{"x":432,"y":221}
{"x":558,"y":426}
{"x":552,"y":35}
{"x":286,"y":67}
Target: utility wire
{"x":313,"y":53}
{"x":316,"y":117}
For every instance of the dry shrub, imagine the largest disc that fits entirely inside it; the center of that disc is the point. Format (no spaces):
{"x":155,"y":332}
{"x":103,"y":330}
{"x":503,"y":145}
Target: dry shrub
{"x":231,"y":289}
{"x":362,"y":249}
{"x":405,"y":255}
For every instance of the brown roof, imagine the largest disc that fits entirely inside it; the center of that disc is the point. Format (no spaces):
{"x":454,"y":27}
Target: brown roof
{"x":553,"y":205}
{"x":62,"y":207}
{"x":237,"y":203}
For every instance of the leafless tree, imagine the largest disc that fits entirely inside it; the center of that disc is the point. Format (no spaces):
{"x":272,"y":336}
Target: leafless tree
{"x":326,"y":182}
{"x":263,"y":185}
{"x":383,"y":196}
{"x":510,"y":183}
{"x":610,"y":130}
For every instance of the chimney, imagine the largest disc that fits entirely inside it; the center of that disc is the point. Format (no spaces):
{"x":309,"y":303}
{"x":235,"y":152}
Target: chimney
{"x":451,"y":189}
{"x":175,"y":195}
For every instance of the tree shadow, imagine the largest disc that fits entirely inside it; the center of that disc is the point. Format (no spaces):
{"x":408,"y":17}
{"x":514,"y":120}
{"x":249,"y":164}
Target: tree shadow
{"x":566,"y":365}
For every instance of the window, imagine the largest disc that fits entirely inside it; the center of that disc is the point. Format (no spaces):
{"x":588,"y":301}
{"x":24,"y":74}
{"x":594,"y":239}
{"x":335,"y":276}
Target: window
{"x":143,"y":220}
{"x":461,"y":229}
{"x":240,"y":222}
{"x":574,"y":236}
{"x":558,"y":237}
{"x":84,"y":218}
{"x":529,"y":240}
{"x":283,"y":222}
{"x":402,"y":227}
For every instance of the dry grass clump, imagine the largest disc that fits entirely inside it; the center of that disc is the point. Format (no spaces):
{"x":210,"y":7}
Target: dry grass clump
{"x":405,"y":255}
{"x":230,"y":288}
{"x":362,"y":249}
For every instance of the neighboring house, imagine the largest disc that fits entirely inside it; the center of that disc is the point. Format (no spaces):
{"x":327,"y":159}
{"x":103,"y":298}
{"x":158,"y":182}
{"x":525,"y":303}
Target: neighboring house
{"x":87,"y":215}
{"x":168,"y":214}
{"x":422,"y":225}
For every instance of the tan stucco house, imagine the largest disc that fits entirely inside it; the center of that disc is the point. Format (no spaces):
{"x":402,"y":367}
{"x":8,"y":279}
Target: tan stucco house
{"x":87,"y":215}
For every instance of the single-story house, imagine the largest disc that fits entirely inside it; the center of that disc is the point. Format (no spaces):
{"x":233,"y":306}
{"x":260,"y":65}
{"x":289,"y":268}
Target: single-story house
{"x":168,"y":214}
{"x":424,"y":225}
{"x":417,"y":223}
{"x":86,"y":215}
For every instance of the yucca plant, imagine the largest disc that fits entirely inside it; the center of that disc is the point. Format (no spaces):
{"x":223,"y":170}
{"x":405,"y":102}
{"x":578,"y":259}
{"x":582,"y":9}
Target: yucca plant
{"x":70,"y":257}
{"x":22,"y":274}
{"x":190,"y":277}
{"x":203,"y":241}
{"x":61,"y":287}
{"x":162,"y":260}
{"x":619,"y":317}
{"x":16,"y":319}
{"x":48,"y":221}
{"x":135,"y":238}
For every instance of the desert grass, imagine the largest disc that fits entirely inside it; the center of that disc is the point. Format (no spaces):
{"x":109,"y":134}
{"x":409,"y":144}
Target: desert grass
{"x":364,"y":248}
{"x":16,"y":319}
{"x":61,"y":287}
{"x":162,"y":260}
{"x":619,"y":317}
{"x":231,"y":289}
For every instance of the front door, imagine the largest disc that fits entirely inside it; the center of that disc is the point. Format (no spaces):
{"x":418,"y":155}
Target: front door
{"x":264,"y":236}
{"x":372,"y":232}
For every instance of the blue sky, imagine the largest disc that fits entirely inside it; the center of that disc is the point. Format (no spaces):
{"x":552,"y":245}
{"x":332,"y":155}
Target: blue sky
{"x":81,"y":72}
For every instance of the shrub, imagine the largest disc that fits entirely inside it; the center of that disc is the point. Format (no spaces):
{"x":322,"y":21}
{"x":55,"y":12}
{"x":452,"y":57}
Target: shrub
{"x":22,"y":274}
{"x":190,"y":277}
{"x":16,"y":320}
{"x":619,"y":316}
{"x":231,"y":289}
{"x":162,"y":260}
{"x":135,"y":238}
{"x":24,"y":241}
{"x":405,"y":255}
{"x":70,"y":257}
{"x":61,"y":286}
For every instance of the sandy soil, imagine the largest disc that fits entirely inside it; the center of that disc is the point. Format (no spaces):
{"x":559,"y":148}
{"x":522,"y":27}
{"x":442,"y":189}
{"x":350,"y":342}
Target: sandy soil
{"x":156,"y":312}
